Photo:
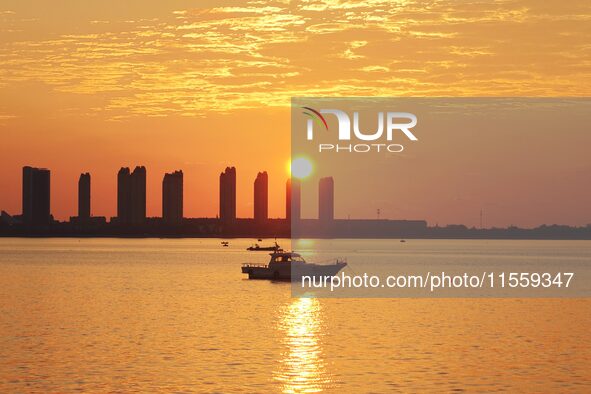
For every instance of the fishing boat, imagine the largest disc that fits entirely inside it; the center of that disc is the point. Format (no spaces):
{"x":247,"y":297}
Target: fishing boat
{"x":290,"y":265}
{"x":258,"y":248}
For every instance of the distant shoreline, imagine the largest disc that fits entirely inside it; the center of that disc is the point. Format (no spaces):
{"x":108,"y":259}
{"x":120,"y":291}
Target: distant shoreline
{"x":153,"y":236}
{"x":283,"y":228}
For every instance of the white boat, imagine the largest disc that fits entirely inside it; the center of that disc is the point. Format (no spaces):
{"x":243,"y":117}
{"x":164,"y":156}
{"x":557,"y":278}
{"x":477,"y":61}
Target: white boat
{"x":285,"y":265}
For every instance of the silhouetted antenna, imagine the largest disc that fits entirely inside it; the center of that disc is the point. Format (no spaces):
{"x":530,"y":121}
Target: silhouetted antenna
{"x":480,"y":218}
{"x":378,"y":213}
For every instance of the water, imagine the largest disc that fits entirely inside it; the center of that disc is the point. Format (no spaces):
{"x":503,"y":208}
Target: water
{"x":150,"y":315}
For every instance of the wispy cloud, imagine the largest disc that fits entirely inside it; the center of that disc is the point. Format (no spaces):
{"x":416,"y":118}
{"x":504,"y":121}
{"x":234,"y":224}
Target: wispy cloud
{"x":193,"y":61}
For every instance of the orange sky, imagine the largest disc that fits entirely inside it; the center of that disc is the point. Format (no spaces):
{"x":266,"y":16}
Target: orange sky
{"x":198,"y":85}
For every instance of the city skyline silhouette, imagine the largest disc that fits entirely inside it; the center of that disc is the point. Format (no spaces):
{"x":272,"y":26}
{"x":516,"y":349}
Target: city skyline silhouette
{"x":131,"y":219}
{"x":131,"y":195}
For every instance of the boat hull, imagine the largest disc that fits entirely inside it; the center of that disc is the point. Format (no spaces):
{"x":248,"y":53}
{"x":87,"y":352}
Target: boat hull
{"x":286,"y":273}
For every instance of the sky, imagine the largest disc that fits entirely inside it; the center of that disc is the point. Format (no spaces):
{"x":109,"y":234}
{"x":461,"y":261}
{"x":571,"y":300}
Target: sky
{"x":200,"y":85}
{"x":517,"y":160}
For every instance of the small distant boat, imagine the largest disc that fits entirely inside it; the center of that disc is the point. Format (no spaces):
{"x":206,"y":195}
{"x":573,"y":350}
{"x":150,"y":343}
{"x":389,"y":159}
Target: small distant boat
{"x":258,"y":248}
{"x":260,"y":240}
{"x":402,"y":240}
{"x":225,"y":244}
{"x":284,"y":265}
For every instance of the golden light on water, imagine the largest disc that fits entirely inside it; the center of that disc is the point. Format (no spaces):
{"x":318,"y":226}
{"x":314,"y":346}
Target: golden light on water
{"x":301,"y":368}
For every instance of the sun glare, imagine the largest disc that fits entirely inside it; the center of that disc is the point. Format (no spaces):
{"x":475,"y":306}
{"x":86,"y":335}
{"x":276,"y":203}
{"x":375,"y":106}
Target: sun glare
{"x":301,"y":168}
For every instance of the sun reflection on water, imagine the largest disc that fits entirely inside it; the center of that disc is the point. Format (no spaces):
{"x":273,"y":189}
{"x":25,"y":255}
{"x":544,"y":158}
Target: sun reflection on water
{"x":301,"y":368}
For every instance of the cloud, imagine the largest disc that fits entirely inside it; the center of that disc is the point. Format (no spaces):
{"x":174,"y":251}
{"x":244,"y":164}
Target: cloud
{"x":189,"y":62}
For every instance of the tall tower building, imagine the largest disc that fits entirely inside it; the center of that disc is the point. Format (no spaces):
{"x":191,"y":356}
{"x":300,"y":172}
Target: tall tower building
{"x":172,"y":198}
{"x":138,"y":195}
{"x":124,"y":195}
{"x":228,"y":194}
{"x":293,"y":199}
{"x":84,"y":196}
{"x":326,"y":199}
{"x":131,"y":195}
{"x":261,"y":196}
{"x":36,"y":195}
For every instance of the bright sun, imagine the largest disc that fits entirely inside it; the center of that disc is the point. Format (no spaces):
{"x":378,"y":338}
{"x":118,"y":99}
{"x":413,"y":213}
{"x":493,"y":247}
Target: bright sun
{"x":301,"y":168}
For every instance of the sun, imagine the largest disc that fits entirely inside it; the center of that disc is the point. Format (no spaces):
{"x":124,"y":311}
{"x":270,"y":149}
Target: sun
{"x":300,"y":168}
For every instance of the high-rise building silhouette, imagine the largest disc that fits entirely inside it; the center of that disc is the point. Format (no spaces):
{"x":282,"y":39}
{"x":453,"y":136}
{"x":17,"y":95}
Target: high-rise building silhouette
{"x":131,"y":195}
{"x":326,"y":199}
{"x":138,"y":195}
{"x":172,"y":198}
{"x":293,"y":199}
{"x":36,"y":195}
{"x":261,"y":196}
{"x":228,"y":194}
{"x":84,"y":196}
{"x":123,"y":195}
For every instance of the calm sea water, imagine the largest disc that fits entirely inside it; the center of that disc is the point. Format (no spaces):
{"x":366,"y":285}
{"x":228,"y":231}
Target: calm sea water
{"x":150,"y":315}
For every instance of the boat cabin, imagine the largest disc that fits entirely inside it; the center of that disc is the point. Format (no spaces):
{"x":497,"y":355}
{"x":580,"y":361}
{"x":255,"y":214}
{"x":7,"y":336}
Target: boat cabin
{"x":286,"y":257}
